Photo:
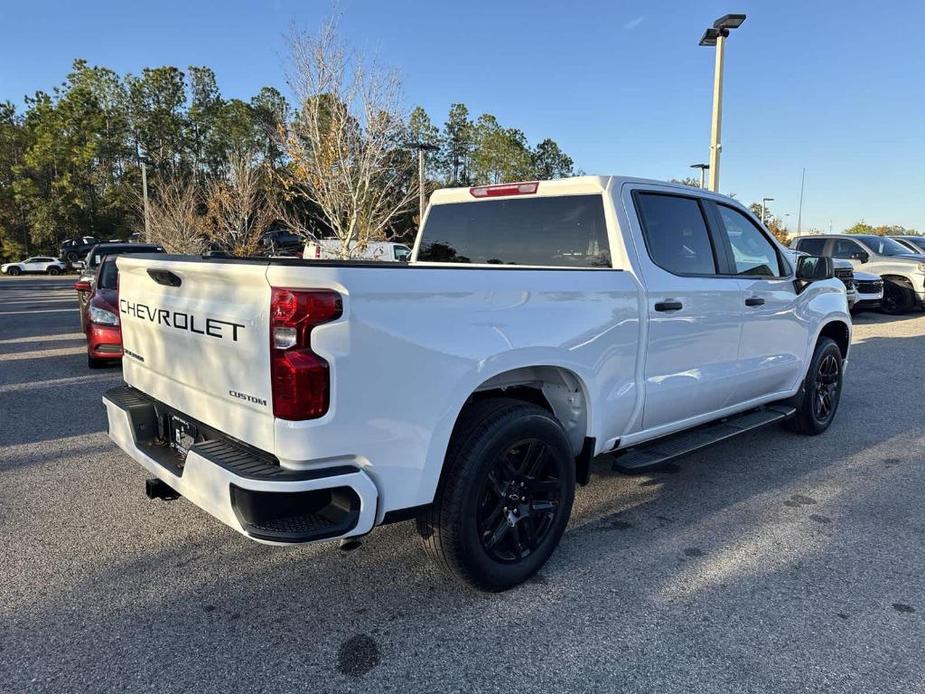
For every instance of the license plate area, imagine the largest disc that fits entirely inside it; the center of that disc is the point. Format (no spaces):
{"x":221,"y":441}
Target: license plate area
{"x":182,"y":434}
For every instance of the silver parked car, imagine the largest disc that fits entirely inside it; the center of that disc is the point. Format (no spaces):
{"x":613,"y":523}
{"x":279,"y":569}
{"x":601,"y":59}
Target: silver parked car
{"x":902,"y":271}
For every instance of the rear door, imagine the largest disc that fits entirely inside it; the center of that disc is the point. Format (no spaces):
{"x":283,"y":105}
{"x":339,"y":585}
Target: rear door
{"x":694,"y":313}
{"x":774,"y":334}
{"x":196,"y":337}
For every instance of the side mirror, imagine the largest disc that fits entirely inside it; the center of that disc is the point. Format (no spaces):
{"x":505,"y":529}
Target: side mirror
{"x":860,"y":255}
{"x":812,"y":268}
{"x":82,"y":286}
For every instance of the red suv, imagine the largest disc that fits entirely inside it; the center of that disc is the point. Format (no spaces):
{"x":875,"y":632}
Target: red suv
{"x":101,"y":317}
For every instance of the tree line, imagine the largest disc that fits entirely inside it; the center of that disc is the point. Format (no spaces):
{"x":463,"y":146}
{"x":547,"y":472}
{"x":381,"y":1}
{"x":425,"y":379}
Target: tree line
{"x":221,"y":171}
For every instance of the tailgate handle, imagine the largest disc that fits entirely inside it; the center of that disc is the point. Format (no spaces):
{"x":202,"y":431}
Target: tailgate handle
{"x":165,"y":277}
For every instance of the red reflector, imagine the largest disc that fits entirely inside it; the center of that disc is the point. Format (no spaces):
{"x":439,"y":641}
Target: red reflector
{"x":300,"y":378}
{"x":504,"y":189}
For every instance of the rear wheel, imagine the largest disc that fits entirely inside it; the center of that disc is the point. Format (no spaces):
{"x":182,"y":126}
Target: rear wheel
{"x":898,"y":297}
{"x":13,"y":271}
{"x":821,"y":392}
{"x":506,"y":495}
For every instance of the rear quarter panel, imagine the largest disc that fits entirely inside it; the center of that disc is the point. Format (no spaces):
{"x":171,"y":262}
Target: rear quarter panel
{"x":415,"y":342}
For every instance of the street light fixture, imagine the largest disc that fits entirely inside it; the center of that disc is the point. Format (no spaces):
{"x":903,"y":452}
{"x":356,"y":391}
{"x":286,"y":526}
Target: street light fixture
{"x":703,"y":168}
{"x":716,"y":36}
{"x":422,"y":147}
{"x":764,"y":205}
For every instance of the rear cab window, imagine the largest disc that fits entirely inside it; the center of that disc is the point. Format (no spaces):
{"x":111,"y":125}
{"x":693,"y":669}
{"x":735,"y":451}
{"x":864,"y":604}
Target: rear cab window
{"x":566,"y":231}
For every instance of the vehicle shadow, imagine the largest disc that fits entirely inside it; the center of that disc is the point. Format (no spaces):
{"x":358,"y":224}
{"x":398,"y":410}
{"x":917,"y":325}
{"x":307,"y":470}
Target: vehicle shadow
{"x":722,"y":550}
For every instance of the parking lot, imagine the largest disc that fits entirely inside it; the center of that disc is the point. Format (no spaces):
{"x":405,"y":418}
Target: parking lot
{"x":774,"y":561}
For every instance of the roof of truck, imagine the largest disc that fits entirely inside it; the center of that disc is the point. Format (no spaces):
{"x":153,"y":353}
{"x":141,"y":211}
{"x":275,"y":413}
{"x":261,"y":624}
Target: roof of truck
{"x":576,"y":185}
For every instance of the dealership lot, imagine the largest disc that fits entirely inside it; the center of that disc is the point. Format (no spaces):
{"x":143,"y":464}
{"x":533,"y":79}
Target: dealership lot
{"x":771,"y":562}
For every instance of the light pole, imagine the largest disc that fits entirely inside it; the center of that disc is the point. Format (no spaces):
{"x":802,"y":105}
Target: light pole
{"x":764,"y":205}
{"x":422,"y":147}
{"x":716,"y":36}
{"x":703,"y":168}
{"x":144,"y":194}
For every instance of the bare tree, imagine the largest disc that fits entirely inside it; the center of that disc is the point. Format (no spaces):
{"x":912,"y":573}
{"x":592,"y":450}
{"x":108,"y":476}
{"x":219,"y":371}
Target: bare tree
{"x":173,"y":213}
{"x":345,"y":143}
{"x":239,"y":207}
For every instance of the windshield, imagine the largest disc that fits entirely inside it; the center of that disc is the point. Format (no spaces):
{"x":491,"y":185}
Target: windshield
{"x":881,"y":245}
{"x":918,"y":242}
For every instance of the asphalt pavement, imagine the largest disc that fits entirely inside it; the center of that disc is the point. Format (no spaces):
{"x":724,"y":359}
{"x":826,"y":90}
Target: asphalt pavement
{"x":773,"y":562}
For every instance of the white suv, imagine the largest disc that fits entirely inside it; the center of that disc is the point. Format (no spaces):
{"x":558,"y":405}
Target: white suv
{"x":40,"y":263}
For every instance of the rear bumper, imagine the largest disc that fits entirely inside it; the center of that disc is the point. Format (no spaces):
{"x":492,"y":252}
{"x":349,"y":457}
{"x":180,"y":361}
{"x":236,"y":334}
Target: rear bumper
{"x":245,"y":489}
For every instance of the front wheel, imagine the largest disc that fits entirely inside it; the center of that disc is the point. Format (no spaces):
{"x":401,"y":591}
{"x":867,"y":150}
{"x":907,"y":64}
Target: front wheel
{"x":897,"y":298}
{"x":13,"y":271}
{"x":54,"y":271}
{"x":818,"y":402}
{"x":506,"y":495}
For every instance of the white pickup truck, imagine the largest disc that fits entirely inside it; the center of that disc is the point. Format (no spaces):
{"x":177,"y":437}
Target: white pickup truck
{"x":538,"y":325}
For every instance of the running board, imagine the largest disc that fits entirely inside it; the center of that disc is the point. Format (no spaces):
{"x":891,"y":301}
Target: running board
{"x":648,"y":456}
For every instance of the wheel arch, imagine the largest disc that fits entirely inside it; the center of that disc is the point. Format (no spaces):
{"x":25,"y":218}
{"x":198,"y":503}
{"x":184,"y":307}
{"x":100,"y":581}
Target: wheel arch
{"x":558,"y":388}
{"x":838,"y":331}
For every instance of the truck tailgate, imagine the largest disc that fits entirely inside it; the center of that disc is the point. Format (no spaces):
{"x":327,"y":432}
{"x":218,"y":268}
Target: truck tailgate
{"x":196,"y":337}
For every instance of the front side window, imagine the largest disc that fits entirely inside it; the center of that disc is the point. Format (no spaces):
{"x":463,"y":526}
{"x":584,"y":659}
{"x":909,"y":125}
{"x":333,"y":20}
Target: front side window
{"x":752,"y":252}
{"x":846,"y":249}
{"x":564,"y":231}
{"x":676,"y":234}
{"x":401,"y":253}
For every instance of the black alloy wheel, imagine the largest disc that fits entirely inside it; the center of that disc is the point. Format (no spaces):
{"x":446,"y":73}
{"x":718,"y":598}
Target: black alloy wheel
{"x":520,"y":501}
{"x":826,"y":388}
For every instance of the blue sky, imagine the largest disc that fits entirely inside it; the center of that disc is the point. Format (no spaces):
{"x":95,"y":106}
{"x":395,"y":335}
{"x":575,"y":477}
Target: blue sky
{"x":837,"y":87}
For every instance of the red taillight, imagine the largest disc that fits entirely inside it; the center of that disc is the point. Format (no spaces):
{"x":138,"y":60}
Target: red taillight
{"x":504,"y":189}
{"x":301,"y":379}
{"x":318,"y":250}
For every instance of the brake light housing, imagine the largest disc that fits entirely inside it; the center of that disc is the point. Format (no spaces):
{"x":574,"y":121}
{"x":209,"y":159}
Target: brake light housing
{"x":504,"y":189}
{"x":301,"y":379}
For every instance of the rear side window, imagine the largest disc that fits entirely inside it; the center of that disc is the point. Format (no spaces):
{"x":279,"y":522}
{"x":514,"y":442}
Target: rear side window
{"x":567,"y":231}
{"x":752,"y":252}
{"x":811,"y":246}
{"x":676,"y":234}
{"x":109,"y":275}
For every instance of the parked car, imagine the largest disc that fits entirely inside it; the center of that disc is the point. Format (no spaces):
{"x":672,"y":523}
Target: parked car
{"x":329,"y":249}
{"x":844,"y":271}
{"x":869,"y":291}
{"x":73,"y":250}
{"x":85,"y":283}
{"x":43,"y":264}
{"x":916,"y":244}
{"x":101,"y":320}
{"x":902,"y":272}
{"x":541,"y":323}
{"x":282,"y":242}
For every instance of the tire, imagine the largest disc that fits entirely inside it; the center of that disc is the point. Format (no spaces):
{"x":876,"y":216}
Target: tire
{"x":54,"y":271}
{"x":14,"y":271}
{"x":95,"y":363}
{"x":505,"y":496}
{"x":72,"y":257}
{"x":818,"y":400}
{"x":898,"y":297}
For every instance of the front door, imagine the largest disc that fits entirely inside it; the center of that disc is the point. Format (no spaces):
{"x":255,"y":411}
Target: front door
{"x":773,"y":332}
{"x":694,"y":314}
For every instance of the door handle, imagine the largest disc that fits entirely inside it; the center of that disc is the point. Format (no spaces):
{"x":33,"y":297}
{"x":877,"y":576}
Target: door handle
{"x":754,"y":301}
{"x":669,"y":306}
